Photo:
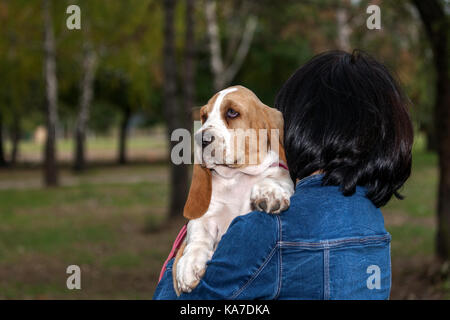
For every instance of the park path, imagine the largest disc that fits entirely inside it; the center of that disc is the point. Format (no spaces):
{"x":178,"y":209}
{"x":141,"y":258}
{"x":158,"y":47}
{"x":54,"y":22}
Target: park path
{"x":22,"y":179}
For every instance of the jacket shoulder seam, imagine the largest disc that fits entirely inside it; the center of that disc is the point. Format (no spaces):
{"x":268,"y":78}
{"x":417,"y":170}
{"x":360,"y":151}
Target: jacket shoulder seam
{"x":261,"y":268}
{"x":256,"y":274}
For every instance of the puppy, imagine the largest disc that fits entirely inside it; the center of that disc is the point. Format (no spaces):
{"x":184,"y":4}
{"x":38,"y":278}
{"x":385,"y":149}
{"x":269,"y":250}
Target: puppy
{"x":242,"y":167}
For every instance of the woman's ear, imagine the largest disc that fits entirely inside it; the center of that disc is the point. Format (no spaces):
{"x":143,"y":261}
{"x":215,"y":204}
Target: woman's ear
{"x":199,"y":194}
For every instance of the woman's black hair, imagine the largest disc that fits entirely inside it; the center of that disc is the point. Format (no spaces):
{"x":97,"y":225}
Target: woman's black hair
{"x":345,"y":115}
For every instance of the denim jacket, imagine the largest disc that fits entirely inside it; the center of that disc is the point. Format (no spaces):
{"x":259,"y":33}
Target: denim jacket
{"x":325,"y":246}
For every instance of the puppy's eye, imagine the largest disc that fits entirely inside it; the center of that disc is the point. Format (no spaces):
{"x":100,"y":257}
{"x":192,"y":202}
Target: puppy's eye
{"x":232,"y":114}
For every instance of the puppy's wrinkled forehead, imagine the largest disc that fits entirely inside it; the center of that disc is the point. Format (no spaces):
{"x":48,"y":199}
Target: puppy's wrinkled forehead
{"x":237,"y":98}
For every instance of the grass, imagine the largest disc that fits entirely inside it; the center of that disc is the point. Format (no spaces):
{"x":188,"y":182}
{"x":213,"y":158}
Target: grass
{"x":109,"y":222}
{"x":102,"y":227}
{"x":412,"y":224}
{"x":412,"y":221}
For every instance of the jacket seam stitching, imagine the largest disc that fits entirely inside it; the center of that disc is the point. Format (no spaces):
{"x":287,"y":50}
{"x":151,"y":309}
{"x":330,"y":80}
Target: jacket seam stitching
{"x":326,"y":272}
{"x":280,"y":274}
{"x":335,"y":243}
{"x":255,"y":275}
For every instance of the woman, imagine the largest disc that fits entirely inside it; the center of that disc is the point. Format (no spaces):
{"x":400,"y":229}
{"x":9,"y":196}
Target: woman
{"x":348,"y":139}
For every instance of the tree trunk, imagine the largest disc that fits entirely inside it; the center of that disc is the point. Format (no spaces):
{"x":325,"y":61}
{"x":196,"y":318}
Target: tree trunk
{"x":87,"y":90}
{"x":3,"y":162}
{"x":222,"y":75}
{"x":437,"y":24}
{"x":189,"y":68}
{"x":178,"y":173}
{"x":51,"y":175}
{"x":343,"y":27}
{"x":215,"y":50}
{"x":431,"y":139}
{"x":16,"y":134}
{"x":123,"y":133}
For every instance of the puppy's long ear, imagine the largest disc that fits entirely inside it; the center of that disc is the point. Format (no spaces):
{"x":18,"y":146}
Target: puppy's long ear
{"x":200,"y":193}
{"x":277,"y":122}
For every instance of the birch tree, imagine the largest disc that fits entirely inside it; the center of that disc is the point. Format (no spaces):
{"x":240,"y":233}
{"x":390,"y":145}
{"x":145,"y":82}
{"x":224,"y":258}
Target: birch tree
{"x":343,"y":28}
{"x":224,"y":74}
{"x":89,"y":64}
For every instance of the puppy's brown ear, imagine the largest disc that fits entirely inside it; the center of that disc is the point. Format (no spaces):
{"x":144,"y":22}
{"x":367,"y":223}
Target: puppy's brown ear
{"x":200,"y":193}
{"x":277,"y":122}
{"x":195,"y":113}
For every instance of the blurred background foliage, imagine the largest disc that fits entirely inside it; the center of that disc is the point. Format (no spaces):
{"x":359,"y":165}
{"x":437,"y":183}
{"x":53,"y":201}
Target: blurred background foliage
{"x":109,"y":215}
{"x":128,"y":37}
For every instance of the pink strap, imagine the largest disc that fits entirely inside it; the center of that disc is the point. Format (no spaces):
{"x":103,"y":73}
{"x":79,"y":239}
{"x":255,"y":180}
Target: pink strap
{"x":176,"y":245}
{"x":280,"y":164}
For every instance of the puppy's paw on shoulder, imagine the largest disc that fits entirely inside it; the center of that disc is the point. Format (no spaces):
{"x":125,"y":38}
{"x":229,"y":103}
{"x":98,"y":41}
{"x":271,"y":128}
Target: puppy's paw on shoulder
{"x":270,"y":196}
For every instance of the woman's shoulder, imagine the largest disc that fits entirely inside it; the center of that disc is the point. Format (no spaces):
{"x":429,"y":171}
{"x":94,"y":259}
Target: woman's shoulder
{"x":255,"y":220}
{"x":323,"y":212}
{"x":316,"y":212}
{"x":256,"y":224}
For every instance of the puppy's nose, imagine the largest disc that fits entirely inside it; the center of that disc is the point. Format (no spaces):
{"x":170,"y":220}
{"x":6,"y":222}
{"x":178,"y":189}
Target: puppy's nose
{"x":206,"y":140}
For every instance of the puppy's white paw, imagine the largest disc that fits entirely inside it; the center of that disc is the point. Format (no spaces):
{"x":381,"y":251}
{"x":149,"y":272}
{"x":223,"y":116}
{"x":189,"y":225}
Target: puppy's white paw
{"x":191,"y":267}
{"x":270,"y":196}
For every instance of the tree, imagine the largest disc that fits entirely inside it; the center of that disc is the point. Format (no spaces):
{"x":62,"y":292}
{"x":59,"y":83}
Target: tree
{"x":21,"y":72}
{"x":51,"y":88}
{"x":189,"y":68}
{"x":343,"y":28}
{"x":89,"y":64}
{"x":119,"y":53}
{"x":437,"y":26}
{"x":3,"y":162}
{"x":123,"y":133}
{"x":16,"y":134}
{"x":178,"y":116}
{"x":223,"y":74}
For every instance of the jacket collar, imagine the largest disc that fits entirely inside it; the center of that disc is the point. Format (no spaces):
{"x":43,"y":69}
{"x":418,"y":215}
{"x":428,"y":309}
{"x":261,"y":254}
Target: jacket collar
{"x":310,"y":180}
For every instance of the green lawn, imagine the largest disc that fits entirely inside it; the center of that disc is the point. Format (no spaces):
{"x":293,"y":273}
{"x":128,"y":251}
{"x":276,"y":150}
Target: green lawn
{"x":412,"y":221}
{"x":412,"y":224}
{"x":111,"y":230}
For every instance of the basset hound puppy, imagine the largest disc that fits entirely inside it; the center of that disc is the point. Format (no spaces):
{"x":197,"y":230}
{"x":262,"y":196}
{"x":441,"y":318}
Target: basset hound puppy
{"x":231,"y":178}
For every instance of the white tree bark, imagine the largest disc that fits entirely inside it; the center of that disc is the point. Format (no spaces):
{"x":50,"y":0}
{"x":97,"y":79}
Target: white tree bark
{"x":214,"y":44}
{"x":343,"y":29}
{"x":87,"y":86}
{"x":224,"y":75}
{"x":89,"y":66}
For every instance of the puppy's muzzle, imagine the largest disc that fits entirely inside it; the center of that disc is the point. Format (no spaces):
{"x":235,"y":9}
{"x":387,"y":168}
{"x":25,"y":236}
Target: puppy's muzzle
{"x":204,"y":138}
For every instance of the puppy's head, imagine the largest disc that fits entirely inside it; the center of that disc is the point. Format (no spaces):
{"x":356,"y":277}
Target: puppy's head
{"x":237,"y":131}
